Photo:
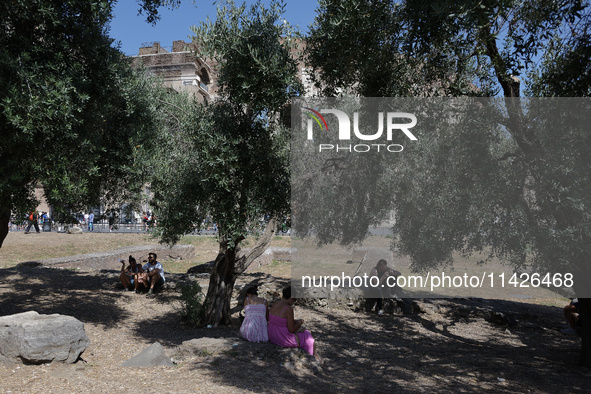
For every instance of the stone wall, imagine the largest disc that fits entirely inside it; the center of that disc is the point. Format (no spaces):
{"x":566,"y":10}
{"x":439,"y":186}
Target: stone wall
{"x":110,"y":259}
{"x":270,"y":254}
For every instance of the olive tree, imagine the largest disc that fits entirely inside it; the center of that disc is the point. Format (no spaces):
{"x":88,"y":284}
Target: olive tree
{"x":227,"y":161}
{"x":71,"y":109}
{"x":518,"y":190}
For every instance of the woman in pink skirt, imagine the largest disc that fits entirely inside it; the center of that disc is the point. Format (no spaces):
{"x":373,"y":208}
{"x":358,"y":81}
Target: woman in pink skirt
{"x":284,"y":330}
{"x":256,"y":315}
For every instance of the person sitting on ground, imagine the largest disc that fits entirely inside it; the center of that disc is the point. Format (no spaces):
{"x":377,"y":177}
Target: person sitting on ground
{"x":151,"y":275}
{"x":256,"y":316}
{"x":284,"y":330}
{"x":128,"y":275}
{"x":382,"y":272}
{"x":572,"y":316}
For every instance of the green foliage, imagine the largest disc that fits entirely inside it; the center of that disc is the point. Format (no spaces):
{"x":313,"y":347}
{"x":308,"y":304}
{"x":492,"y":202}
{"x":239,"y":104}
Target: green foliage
{"x":254,"y":50}
{"x":507,"y":181}
{"x":220,"y":161}
{"x":215,"y":163}
{"x":192,"y":307}
{"x":366,"y":48}
{"x":71,"y":109}
{"x":151,"y":8}
{"x":527,"y":26}
{"x":565,"y":70}
{"x":433,"y":48}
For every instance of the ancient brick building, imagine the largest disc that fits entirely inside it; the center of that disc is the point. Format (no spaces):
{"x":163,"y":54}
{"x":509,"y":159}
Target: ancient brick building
{"x":180,"y":69}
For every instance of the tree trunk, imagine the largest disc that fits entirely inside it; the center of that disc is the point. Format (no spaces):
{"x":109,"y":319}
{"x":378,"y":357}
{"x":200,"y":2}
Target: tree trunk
{"x":4,"y":221}
{"x":219,"y":292}
{"x":585,"y":316}
{"x":228,"y":266}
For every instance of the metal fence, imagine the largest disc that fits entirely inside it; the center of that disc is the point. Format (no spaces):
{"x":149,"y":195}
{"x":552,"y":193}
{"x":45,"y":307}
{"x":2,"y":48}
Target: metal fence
{"x":118,"y":226}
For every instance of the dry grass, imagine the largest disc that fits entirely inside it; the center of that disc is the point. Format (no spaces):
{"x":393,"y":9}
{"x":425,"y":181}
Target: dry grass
{"x":492,"y":280}
{"x":19,"y":247}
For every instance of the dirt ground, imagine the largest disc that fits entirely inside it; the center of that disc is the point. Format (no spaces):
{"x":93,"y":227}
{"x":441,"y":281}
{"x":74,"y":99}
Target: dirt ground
{"x":422,"y":346}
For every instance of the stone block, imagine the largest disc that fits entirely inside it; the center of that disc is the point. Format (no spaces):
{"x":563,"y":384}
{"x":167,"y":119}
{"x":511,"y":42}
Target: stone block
{"x":153,"y":356}
{"x":33,"y":338}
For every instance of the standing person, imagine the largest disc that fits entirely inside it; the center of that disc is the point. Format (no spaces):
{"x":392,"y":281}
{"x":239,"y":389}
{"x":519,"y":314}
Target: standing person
{"x":382,"y":272}
{"x":45,"y":220}
{"x":33,"y":217}
{"x":91,"y":221}
{"x":151,"y":274}
{"x":144,"y":221}
{"x":284,"y":330}
{"x":111,"y":221}
{"x":152,"y":221}
{"x":256,"y":316}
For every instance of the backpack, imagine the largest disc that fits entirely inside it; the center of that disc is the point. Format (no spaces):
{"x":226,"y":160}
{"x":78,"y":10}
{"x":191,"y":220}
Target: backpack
{"x":32,"y":216}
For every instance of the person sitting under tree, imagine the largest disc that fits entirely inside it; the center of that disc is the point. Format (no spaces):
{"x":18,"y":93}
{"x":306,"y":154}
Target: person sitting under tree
{"x":151,"y":275}
{"x":382,"y":272}
{"x":129,"y":275}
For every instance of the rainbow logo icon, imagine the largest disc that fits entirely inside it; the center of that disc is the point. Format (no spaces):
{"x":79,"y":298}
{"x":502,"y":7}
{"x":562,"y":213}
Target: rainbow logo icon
{"x":317,"y":115}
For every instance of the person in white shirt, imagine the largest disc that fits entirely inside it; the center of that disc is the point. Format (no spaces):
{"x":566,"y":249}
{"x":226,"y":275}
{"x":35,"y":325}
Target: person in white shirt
{"x":151,"y":275}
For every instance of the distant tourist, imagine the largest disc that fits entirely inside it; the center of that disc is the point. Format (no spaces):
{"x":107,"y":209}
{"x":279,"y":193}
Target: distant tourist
{"x":145,"y":219}
{"x":33,"y":217}
{"x":256,"y":316}
{"x":151,"y":221}
{"x":111,"y":221}
{"x":91,"y":221}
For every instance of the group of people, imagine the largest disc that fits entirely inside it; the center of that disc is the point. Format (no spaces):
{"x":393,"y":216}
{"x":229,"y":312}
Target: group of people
{"x":149,"y":276}
{"x":148,"y":220}
{"x":275,"y":324}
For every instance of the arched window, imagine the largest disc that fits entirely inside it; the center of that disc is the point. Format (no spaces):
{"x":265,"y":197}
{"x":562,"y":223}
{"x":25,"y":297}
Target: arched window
{"x":204,"y":76}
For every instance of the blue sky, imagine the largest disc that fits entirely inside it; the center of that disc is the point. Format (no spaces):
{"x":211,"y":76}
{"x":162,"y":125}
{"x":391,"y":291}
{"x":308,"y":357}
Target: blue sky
{"x":133,"y":30}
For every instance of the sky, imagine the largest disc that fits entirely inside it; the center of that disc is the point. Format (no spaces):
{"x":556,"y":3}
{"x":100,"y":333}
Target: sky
{"x":132,"y":30}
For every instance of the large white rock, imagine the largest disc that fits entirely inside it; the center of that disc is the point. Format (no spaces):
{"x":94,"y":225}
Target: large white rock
{"x":74,"y":230}
{"x":33,"y":338}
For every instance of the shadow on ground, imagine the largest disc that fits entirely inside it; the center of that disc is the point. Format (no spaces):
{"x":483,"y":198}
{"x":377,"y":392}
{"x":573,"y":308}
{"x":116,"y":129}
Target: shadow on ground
{"x":450,"y":346}
{"x":67,"y":292}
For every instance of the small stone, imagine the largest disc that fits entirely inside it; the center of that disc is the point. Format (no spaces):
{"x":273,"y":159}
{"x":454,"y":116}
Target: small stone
{"x":154,"y":355}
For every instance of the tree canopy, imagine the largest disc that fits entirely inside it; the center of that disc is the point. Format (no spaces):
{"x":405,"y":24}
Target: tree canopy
{"x":432,"y":48}
{"x":228,"y":161}
{"x":71,"y":109}
{"x":517,"y":189}
{"x":467,"y":181}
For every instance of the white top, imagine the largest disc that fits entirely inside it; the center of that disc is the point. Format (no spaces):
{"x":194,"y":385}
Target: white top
{"x":151,"y":267}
